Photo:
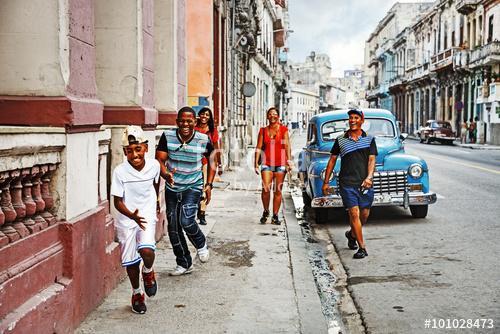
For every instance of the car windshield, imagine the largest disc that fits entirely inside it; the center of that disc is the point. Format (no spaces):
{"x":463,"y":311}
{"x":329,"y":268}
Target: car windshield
{"x":445,"y":125}
{"x":376,"y":127}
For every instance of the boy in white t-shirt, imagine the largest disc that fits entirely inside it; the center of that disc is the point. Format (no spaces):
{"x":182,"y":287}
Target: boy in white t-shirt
{"x":135,"y":188}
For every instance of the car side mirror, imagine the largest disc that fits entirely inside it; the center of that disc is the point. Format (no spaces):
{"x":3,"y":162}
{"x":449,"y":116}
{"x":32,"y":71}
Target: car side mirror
{"x":403,"y":136}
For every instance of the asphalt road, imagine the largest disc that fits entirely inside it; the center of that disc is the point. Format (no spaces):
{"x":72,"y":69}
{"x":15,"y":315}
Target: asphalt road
{"x":442,"y":267}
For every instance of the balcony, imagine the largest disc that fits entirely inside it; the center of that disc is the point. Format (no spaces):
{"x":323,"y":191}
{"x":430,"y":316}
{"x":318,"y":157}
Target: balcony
{"x":488,"y":54}
{"x":444,"y":59}
{"x":371,"y":94}
{"x":418,"y":72}
{"x":494,"y":92}
{"x":466,"y":7}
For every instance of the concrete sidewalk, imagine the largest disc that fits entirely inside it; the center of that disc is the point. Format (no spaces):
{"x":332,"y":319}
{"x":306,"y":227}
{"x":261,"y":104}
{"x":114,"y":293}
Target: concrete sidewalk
{"x":258,"y":278}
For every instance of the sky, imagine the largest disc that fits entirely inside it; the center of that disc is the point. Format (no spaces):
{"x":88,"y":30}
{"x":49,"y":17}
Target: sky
{"x":338,"y":28}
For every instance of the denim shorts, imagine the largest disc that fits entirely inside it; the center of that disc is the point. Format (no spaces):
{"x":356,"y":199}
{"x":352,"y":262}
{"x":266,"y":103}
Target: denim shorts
{"x":275,"y":169}
{"x":351,"y":197}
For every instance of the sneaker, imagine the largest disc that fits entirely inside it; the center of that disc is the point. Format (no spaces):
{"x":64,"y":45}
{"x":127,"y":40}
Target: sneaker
{"x":275,"y":220}
{"x":351,"y":241}
{"x":138,"y":305}
{"x":361,"y":253}
{"x":264,"y":217}
{"x":203,"y":254}
{"x":180,"y":270}
{"x":150,"y":286}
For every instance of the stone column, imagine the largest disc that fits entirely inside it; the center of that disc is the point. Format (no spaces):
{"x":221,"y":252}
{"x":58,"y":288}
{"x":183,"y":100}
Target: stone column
{"x":37,"y":197}
{"x":28,"y":201}
{"x":16,"y":190}
{"x":125,"y":61}
{"x":56,"y":85}
{"x":47,"y":171}
{"x":7,"y":208}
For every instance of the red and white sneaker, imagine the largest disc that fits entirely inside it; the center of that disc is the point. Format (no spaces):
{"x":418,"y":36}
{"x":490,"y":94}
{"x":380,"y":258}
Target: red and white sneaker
{"x":150,"y":286}
{"x":138,"y":305}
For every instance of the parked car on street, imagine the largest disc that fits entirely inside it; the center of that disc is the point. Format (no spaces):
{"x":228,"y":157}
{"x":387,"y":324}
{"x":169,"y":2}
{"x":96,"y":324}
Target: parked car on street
{"x":400,"y":179}
{"x":439,"y":131}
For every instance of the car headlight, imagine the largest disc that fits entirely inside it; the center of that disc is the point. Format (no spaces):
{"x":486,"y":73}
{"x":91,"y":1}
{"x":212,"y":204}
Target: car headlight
{"x":323,"y":172}
{"x":415,"y":171}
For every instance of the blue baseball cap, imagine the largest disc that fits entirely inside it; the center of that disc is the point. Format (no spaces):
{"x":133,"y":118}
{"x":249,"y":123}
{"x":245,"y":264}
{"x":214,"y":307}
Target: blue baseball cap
{"x":357,"y":112}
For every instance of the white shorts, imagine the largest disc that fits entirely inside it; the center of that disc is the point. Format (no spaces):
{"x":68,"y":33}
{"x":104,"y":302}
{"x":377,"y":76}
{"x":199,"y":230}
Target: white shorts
{"x":132,"y":239}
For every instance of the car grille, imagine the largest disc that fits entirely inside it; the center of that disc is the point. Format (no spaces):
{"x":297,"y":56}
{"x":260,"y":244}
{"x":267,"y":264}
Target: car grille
{"x":390,"y":182}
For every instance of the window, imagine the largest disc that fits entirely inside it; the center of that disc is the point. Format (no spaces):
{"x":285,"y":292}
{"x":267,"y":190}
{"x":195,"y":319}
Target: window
{"x":377,"y":127}
{"x":490,"y":29}
{"x":311,"y":134}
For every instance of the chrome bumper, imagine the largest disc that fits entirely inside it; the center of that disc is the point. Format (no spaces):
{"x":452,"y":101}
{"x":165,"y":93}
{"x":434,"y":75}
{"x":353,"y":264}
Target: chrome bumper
{"x":414,"y":198}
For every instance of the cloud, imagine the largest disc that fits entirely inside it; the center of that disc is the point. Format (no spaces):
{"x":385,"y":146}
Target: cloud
{"x":336,"y":27}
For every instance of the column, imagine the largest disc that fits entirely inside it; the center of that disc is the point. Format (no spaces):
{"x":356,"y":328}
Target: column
{"x":125,"y":61}
{"x":57,"y":86}
{"x":169,"y":50}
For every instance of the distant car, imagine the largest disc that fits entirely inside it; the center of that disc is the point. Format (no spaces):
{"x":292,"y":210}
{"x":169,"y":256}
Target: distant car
{"x":400,"y":179}
{"x":439,"y":131}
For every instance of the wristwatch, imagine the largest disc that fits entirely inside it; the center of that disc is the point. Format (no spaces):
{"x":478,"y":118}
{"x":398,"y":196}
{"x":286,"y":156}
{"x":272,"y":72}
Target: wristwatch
{"x":210,"y":185}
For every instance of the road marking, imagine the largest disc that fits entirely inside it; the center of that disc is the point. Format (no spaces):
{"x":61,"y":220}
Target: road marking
{"x":494,"y":171}
{"x":439,"y":196}
{"x":466,"y":152}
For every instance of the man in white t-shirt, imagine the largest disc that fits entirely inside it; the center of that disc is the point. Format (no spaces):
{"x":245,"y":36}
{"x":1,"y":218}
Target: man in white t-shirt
{"x":135,"y":188}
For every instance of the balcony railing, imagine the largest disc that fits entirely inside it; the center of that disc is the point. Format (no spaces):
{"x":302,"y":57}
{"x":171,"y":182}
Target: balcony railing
{"x":443,"y":59}
{"x":485,"y":55}
{"x":418,"y":72}
{"x":26,"y":202}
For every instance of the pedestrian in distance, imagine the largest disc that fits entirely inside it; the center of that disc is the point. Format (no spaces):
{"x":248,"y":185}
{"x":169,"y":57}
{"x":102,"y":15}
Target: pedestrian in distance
{"x":180,"y":152}
{"x":134,"y":188}
{"x":463,"y":132}
{"x":357,"y":150}
{"x":472,"y":131}
{"x":273,"y":154}
{"x":205,"y":124}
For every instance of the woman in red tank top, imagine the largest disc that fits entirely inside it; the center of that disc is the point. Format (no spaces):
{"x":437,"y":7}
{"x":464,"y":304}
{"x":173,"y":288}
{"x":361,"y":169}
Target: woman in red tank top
{"x":273,"y":155}
{"x":205,"y":124}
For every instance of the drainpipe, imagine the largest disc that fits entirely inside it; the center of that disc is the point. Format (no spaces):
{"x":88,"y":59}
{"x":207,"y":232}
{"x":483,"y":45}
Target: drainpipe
{"x":231,"y":110}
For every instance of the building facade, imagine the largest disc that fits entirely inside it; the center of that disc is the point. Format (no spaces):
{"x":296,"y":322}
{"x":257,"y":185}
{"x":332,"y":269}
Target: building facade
{"x":446,"y":67}
{"x":75,"y":73}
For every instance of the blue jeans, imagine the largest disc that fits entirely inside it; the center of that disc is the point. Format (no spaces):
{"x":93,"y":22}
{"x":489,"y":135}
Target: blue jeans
{"x":181,"y":213}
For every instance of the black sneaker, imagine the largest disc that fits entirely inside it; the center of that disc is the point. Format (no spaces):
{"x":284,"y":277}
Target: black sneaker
{"x":264,"y":217}
{"x":351,"y":241}
{"x":275,"y":220}
{"x":361,"y":253}
{"x":138,"y":305}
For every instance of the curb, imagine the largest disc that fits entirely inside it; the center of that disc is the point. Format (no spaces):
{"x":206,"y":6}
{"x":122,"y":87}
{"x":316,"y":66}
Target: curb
{"x":308,"y":302}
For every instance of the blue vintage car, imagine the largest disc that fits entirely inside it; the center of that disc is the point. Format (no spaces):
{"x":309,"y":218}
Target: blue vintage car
{"x":400,"y":179}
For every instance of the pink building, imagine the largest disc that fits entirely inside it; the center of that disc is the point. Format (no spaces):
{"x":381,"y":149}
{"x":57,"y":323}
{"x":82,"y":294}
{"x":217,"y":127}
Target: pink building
{"x":74,"y":73}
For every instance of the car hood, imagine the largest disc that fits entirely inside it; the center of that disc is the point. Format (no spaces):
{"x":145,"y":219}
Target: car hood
{"x":387,"y":146}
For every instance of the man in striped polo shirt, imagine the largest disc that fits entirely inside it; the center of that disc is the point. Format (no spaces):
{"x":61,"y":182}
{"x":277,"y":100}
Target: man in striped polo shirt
{"x":358,"y":151}
{"x":180,"y":152}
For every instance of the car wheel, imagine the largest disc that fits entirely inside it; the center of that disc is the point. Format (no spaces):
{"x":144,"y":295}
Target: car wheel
{"x":428,"y":141}
{"x":321,"y":215}
{"x":419,"y":211}
{"x":306,"y":199}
